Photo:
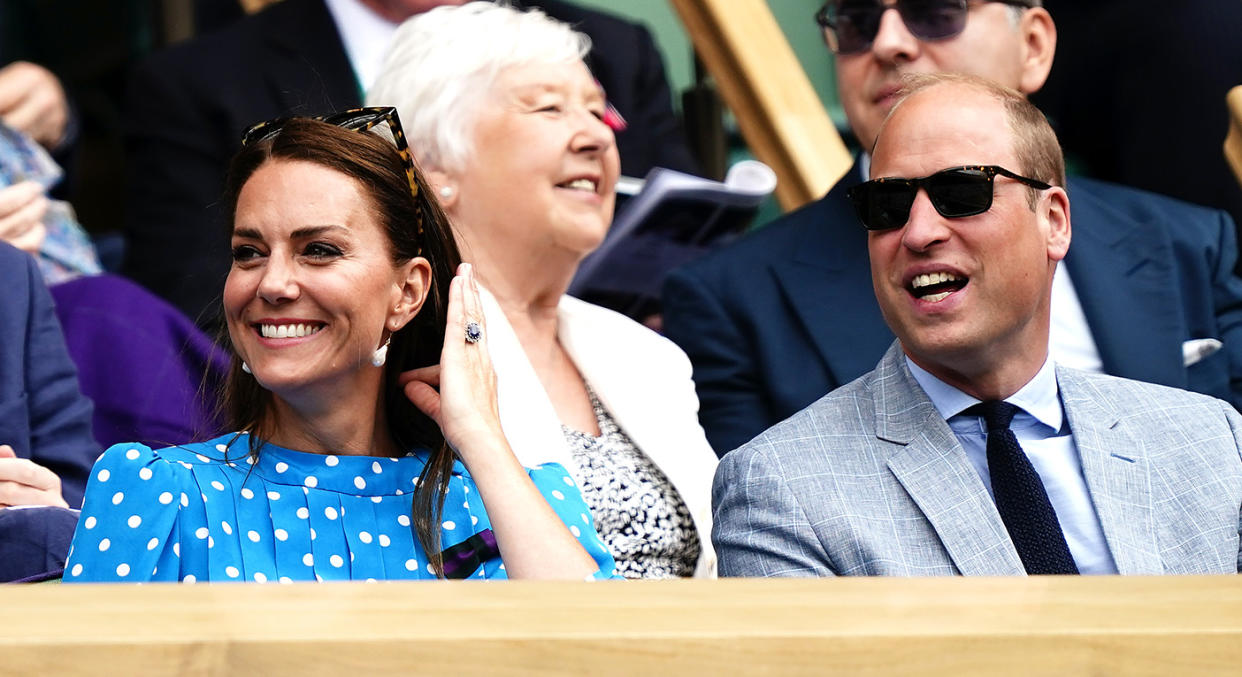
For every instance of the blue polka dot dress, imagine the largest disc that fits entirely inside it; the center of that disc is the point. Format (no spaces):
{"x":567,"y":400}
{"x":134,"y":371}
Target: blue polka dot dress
{"x":206,"y":512}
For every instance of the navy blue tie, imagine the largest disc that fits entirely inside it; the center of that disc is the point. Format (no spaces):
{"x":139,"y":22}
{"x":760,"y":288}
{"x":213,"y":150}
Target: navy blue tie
{"x":1020,"y":496}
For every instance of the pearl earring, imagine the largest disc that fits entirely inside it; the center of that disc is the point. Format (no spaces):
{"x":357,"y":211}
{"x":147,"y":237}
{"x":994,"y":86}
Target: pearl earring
{"x":246,"y":368}
{"x":380,"y":356}
{"x":446,"y":191}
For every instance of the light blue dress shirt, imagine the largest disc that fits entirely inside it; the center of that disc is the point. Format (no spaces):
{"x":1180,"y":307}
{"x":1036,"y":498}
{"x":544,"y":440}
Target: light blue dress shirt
{"x":1048,"y":442}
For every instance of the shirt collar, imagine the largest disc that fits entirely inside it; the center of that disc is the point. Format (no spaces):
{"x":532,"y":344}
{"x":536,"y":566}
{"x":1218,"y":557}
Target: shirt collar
{"x":1039,"y":397}
{"x":366,"y":36}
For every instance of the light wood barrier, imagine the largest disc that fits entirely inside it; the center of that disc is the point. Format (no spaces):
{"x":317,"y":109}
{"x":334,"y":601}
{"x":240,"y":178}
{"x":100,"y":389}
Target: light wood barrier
{"x":761,"y":80}
{"x":1047,"y":626}
{"x":1233,"y":142}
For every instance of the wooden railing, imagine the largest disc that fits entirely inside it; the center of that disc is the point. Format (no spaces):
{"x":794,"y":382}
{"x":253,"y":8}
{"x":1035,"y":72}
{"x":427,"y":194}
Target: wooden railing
{"x":761,"y":80}
{"x":1045,"y":626}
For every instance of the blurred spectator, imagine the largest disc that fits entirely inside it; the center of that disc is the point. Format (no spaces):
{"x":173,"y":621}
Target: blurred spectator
{"x":46,"y":448}
{"x":33,"y":223}
{"x":1143,"y":102}
{"x":89,"y":46}
{"x":33,"y":101}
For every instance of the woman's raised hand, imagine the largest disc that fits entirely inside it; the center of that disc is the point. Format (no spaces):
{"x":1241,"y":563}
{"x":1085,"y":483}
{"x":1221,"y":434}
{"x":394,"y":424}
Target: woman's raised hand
{"x":459,"y":394}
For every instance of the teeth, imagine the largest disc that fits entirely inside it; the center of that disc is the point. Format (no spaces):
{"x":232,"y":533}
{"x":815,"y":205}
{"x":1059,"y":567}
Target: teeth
{"x":928,"y":279}
{"x":287,"y":330}
{"x":582,"y":184}
{"x":932,"y":298}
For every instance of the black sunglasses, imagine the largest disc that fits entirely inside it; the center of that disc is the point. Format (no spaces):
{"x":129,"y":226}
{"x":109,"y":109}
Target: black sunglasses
{"x":356,"y":119}
{"x":957,"y":192}
{"x":850,"y":26}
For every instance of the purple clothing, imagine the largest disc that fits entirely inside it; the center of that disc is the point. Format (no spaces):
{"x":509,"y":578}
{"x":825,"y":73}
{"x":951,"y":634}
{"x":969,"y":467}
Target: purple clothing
{"x":152,"y":374}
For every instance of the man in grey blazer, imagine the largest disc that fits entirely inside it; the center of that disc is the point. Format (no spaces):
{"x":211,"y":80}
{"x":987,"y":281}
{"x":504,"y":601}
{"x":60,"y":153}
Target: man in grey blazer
{"x":891,"y":475}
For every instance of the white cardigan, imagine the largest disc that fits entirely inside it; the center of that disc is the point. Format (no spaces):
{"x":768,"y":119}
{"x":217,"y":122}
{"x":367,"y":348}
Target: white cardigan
{"x":642,"y":378}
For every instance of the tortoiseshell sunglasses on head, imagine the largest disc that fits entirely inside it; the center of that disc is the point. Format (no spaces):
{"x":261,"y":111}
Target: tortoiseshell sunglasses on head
{"x":357,"y":119}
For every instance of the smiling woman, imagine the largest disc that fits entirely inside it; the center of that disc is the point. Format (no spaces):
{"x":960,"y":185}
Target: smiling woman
{"x":369,"y":446}
{"x":513,"y":131}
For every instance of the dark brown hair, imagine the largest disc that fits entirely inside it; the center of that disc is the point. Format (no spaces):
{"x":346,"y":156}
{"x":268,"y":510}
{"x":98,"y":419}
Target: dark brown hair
{"x":415,"y":226}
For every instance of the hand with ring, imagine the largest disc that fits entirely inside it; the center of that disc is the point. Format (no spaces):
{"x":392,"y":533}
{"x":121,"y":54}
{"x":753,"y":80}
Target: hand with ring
{"x":459,"y":394}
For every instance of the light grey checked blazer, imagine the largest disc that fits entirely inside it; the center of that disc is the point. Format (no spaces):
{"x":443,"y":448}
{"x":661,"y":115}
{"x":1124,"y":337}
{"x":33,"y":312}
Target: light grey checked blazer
{"x":870,"y":480}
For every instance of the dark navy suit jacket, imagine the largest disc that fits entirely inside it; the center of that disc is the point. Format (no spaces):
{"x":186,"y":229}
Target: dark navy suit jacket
{"x":43,"y":415}
{"x":787,"y":314}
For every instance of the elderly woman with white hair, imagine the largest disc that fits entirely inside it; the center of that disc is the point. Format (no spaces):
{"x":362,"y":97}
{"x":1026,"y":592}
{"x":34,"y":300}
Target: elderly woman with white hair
{"x":512,"y":131}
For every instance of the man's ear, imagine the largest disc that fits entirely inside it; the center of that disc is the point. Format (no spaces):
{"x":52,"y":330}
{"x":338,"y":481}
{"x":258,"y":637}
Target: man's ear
{"x":1039,"y":46}
{"x":443,"y":187}
{"x":1054,"y":211}
{"x":410,"y":289}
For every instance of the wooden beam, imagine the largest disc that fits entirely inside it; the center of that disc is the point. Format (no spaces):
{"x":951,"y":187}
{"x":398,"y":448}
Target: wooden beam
{"x":1072,"y":625}
{"x":761,"y":80}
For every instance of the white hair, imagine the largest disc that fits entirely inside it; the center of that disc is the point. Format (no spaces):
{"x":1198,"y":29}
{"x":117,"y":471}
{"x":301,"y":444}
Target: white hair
{"x":441,"y":66}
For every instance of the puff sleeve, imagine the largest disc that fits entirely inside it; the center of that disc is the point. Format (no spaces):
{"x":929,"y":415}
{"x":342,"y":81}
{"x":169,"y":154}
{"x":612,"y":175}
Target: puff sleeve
{"x":132,"y":519}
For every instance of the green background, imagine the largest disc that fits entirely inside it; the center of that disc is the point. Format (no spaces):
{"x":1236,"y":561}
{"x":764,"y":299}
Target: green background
{"x":796,"y":18}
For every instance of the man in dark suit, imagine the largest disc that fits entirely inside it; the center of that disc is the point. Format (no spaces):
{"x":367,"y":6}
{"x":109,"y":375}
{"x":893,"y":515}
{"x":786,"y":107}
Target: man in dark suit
{"x":787,"y":314}
{"x":190,"y":104}
{"x":46,"y":448}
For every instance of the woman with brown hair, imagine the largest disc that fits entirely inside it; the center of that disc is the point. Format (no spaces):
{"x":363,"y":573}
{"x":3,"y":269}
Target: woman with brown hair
{"x":369,"y":445}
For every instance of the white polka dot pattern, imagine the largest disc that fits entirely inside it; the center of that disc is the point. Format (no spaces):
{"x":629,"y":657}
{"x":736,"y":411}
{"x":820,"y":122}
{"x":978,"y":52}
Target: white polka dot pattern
{"x":350,"y":519}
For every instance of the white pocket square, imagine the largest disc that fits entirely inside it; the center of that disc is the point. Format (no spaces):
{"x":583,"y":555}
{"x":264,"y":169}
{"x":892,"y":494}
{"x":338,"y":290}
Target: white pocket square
{"x":1197,"y":349}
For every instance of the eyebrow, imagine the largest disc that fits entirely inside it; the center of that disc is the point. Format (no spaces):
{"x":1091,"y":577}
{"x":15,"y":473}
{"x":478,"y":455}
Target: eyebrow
{"x":534,"y":89}
{"x":299,"y":234}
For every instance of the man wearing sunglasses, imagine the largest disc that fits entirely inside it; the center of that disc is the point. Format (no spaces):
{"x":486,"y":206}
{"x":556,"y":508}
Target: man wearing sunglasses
{"x":968,"y":449}
{"x":787,"y":314}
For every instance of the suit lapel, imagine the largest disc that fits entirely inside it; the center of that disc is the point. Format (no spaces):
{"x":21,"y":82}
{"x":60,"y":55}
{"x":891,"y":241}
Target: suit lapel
{"x":828,"y":277}
{"x":526,"y":413}
{"x":1122,"y":273}
{"x":305,"y":62}
{"x":1118,"y":475}
{"x":592,"y":347}
{"x":934,"y":470}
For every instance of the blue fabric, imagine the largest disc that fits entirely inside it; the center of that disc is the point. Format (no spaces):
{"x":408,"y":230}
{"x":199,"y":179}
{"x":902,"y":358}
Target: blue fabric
{"x":1049,"y":444}
{"x":778,"y":319}
{"x":34,"y":541}
{"x":204,"y":512}
{"x":43,"y":414}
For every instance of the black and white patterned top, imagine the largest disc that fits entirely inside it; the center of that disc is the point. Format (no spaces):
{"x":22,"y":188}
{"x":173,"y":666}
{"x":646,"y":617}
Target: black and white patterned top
{"x":637,"y":510}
